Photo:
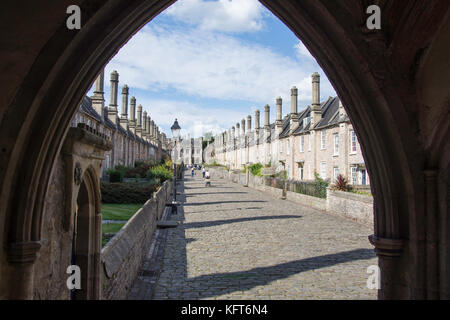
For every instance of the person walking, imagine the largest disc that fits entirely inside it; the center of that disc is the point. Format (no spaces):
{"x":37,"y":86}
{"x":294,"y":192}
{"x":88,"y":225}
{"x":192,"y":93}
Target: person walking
{"x":207,"y":179}
{"x":203,"y":171}
{"x":192,"y":172}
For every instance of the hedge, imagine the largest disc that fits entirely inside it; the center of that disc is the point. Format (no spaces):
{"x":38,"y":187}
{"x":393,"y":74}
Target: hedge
{"x":126,"y":192}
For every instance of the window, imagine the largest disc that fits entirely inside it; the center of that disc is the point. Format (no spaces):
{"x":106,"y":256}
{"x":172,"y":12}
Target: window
{"x":305,"y":121}
{"x":363,"y":177}
{"x":354,"y":175}
{"x":336,"y":144}
{"x":301,"y":173}
{"x":323,"y":170}
{"x":335,"y":172}
{"x":323,"y":139}
{"x":302,"y":143}
{"x":352,"y":141}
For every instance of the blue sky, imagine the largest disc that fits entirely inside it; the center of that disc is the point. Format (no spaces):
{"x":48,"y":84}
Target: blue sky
{"x":211,"y":63}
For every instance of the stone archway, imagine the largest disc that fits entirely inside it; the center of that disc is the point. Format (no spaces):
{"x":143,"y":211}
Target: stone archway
{"x":86,"y":242}
{"x":389,"y":80}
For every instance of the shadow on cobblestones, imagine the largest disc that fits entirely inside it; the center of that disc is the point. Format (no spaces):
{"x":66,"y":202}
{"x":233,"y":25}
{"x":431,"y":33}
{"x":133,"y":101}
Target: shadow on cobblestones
{"x":255,"y":254}
{"x":222,"y":202}
{"x":203,"y":193}
{"x":224,"y":283}
{"x":221,"y":222}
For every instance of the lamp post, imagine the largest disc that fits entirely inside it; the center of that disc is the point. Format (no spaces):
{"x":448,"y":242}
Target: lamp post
{"x":175,"y":135}
{"x":283,"y":196}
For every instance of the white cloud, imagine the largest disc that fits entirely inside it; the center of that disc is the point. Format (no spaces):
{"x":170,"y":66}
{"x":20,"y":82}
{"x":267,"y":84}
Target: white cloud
{"x":209,"y":65}
{"x":221,"y":15}
{"x":193,"y":119}
{"x":302,"y":51}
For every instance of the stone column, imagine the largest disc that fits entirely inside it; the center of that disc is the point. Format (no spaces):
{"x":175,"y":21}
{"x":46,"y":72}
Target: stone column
{"x":112,"y":110}
{"x":316,"y":111}
{"x":124,"y":115}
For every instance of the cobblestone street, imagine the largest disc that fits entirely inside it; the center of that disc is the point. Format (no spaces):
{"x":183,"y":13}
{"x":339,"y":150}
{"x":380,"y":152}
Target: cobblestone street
{"x":238,"y":243}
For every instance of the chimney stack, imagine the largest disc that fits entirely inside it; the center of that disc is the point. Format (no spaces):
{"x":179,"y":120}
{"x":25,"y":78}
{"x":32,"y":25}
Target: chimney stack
{"x":139,"y":121}
{"x":98,"y":99}
{"x":112,"y":110}
{"x":257,"y":124}
{"x":243,"y":127}
{"x":279,"y":103}
{"x":294,"y":110}
{"x":124,"y":115}
{"x":267,"y":116}
{"x":249,"y":123}
{"x":144,"y":125}
{"x":132,"y":121}
{"x":315,"y":107}
{"x":279,"y":116}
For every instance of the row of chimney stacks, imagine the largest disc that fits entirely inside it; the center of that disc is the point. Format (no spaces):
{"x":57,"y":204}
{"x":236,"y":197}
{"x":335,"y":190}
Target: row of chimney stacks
{"x":143,"y":126}
{"x":316,"y":112}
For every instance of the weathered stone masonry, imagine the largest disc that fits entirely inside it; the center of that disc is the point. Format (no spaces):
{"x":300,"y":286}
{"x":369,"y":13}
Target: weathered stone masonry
{"x":123,"y":254}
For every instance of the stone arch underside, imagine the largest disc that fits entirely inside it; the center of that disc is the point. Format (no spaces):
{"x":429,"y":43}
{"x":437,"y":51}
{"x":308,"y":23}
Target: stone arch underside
{"x":377,"y":74}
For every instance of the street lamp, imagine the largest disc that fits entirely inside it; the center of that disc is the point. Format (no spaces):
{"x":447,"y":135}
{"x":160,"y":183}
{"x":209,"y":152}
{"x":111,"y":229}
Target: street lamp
{"x":175,"y":135}
{"x":283,"y":196}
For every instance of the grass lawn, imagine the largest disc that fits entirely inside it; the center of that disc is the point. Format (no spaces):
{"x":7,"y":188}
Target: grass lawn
{"x":114,"y":211}
{"x":110,"y":228}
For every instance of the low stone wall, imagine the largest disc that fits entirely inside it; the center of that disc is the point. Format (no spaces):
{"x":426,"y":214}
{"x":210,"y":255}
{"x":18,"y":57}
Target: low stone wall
{"x":123,"y":254}
{"x":354,"y":206}
{"x":350,"y":205}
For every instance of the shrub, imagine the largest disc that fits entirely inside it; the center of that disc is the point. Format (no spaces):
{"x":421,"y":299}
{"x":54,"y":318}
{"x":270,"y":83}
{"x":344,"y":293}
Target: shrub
{"x":321,"y":185}
{"x":126,"y":192}
{"x":115,"y":175}
{"x":160,"y":173}
{"x":341,"y":183}
{"x":255,"y":169}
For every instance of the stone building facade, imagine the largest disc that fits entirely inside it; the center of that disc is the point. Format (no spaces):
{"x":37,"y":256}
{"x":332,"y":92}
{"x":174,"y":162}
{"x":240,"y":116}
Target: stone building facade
{"x":318,"y":139}
{"x":133,"y":138}
{"x":189,"y":150}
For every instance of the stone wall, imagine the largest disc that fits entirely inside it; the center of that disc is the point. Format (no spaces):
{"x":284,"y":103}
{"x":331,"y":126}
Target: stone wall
{"x":349,"y":205}
{"x":54,"y":257}
{"x":123,"y":254}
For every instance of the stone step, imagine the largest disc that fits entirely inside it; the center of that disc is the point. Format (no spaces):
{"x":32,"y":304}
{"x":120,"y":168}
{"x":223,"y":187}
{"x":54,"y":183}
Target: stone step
{"x":166,"y":224}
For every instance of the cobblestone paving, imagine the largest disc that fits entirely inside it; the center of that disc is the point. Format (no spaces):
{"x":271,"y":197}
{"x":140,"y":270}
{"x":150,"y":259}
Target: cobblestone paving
{"x":239,"y":243}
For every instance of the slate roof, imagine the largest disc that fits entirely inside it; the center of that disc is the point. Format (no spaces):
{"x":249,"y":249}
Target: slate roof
{"x":86,"y":106}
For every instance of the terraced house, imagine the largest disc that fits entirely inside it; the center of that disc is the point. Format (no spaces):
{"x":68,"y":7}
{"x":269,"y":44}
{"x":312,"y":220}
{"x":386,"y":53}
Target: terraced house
{"x":133,"y":138}
{"x":319,"y":139}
